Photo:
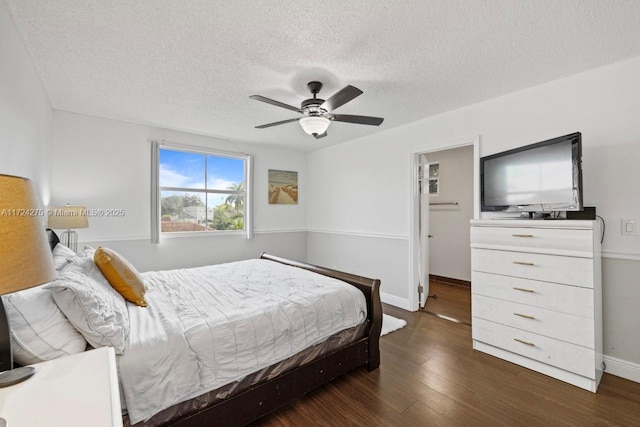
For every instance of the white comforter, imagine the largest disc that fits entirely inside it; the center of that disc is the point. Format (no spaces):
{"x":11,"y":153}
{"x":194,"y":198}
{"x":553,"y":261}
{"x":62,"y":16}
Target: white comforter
{"x":209,"y":326}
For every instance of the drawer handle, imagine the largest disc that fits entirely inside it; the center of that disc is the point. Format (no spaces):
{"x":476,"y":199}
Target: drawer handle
{"x":524,"y":290}
{"x":522,"y":263}
{"x":526,"y":316}
{"x":522,"y":235}
{"x":525,"y":342}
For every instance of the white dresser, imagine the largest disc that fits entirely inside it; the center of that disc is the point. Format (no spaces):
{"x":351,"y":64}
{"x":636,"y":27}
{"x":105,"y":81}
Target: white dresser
{"x":537,"y":296}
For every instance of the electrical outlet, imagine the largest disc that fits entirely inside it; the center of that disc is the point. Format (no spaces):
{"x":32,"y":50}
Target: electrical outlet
{"x":629,"y":227}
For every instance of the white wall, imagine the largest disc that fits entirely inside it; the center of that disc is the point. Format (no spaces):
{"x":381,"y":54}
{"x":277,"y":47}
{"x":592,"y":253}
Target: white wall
{"x":449,"y":254}
{"x":106,"y":164}
{"x":359,"y":209}
{"x":364,"y":185}
{"x":25,"y":111}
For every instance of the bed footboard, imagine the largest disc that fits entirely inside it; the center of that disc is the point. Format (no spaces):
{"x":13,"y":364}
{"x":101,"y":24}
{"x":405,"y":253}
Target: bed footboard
{"x":369,"y":287}
{"x":265,"y":397}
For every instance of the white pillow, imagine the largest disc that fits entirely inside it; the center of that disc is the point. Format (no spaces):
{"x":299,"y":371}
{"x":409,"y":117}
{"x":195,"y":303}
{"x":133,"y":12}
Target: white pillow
{"x":92,"y":306}
{"x":86,"y":266}
{"x":62,"y":256}
{"x":39,"y":330}
{"x":87,"y":252}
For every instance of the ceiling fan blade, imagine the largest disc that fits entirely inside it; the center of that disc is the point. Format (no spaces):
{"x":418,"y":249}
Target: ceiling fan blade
{"x":268,"y":125}
{"x":322,"y":135}
{"x":360,"y":120}
{"x":276,"y":103}
{"x":341,"y":97}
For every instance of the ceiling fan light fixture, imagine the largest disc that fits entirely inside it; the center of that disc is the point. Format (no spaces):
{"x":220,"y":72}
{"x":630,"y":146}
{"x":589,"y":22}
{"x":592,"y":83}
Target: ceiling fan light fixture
{"x":318,"y":113}
{"x":314,"y":125}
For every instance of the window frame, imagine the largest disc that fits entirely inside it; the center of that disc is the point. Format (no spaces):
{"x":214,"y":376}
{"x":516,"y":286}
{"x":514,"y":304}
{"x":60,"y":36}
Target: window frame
{"x":156,"y":190}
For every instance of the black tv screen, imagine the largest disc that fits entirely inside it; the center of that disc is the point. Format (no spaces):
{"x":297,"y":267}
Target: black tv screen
{"x":541,"y":177}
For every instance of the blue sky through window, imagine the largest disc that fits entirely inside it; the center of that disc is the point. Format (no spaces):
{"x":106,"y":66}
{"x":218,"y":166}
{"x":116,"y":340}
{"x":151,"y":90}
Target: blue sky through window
{"x":181,"y":169}
{"x":182,"y":176}
{"x":223,"y":172}
{"x":186,"y":170}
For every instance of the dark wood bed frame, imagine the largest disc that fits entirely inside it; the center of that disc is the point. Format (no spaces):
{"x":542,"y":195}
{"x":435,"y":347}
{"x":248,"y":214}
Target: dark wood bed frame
{"x":265,"y":397}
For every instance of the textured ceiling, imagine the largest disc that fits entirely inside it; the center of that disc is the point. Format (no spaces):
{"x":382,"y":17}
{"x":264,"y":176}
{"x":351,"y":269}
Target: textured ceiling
{"x":191,"y":65}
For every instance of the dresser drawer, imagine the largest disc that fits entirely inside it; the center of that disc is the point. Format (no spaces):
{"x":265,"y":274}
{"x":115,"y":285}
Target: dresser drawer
{"x":553,"y":324}
{"x":549,"y":268}
{"x":563,"y":355}
{"x":552,"y":296}
{"x":557,"y":241}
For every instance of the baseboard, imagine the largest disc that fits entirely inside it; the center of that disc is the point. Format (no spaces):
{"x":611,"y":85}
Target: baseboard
{"x":450,"y":280}
{"x":621,"y":368}
{"x":395,"y":301}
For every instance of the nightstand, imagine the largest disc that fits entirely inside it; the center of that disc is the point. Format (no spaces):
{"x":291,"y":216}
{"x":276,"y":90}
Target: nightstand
{"x":78,"y":390}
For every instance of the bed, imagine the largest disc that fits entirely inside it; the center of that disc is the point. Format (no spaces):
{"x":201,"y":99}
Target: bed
{"x":286,"y":351}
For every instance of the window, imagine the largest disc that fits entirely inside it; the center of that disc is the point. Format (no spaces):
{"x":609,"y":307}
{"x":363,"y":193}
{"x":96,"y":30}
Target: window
{"x":198,"y":191}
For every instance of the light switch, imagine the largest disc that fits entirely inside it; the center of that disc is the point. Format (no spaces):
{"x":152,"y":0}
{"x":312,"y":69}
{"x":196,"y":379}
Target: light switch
{"x":629,"y":227}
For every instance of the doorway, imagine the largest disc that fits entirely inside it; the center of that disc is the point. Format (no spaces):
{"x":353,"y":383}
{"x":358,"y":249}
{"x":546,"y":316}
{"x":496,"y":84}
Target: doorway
{"x":450,"y":204}
{"x":445,"y":198}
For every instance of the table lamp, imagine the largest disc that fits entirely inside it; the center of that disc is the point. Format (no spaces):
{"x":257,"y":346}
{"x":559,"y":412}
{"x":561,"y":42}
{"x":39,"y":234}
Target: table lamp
{"x":25,"y":259}
{"x":68,"y":217}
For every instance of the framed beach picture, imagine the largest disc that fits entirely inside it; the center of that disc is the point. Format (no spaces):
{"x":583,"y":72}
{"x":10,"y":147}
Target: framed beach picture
{"x":283,"y":187}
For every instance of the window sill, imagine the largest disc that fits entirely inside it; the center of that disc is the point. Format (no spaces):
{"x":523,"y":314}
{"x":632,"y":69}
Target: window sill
{"x":180,"y":234}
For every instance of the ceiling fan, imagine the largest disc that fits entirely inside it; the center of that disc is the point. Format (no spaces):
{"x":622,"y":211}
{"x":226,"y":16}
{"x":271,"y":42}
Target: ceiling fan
{"x":318,"y":113}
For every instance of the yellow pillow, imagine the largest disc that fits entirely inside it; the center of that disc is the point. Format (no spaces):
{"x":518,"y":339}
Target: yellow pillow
{"x":121,"y":275}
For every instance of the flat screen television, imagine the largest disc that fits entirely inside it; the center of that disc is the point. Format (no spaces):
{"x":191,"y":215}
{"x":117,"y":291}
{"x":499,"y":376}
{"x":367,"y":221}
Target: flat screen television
{"x":542,"y":177}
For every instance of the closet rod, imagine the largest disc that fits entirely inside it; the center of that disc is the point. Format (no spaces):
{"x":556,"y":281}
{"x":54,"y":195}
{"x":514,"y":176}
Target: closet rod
{"x":443,"y":203}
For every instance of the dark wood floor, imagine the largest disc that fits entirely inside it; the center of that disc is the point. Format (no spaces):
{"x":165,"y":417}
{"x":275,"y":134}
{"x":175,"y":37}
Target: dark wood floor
{"x":452,"y":301}
{"x":431,"y":376}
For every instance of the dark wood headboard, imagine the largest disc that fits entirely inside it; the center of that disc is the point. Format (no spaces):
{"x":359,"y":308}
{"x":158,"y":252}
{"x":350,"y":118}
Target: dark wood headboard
{"x":53,"y":238}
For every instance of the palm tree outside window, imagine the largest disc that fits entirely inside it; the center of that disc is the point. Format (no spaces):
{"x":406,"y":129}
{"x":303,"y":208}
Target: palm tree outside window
{"x":201,"y":191}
